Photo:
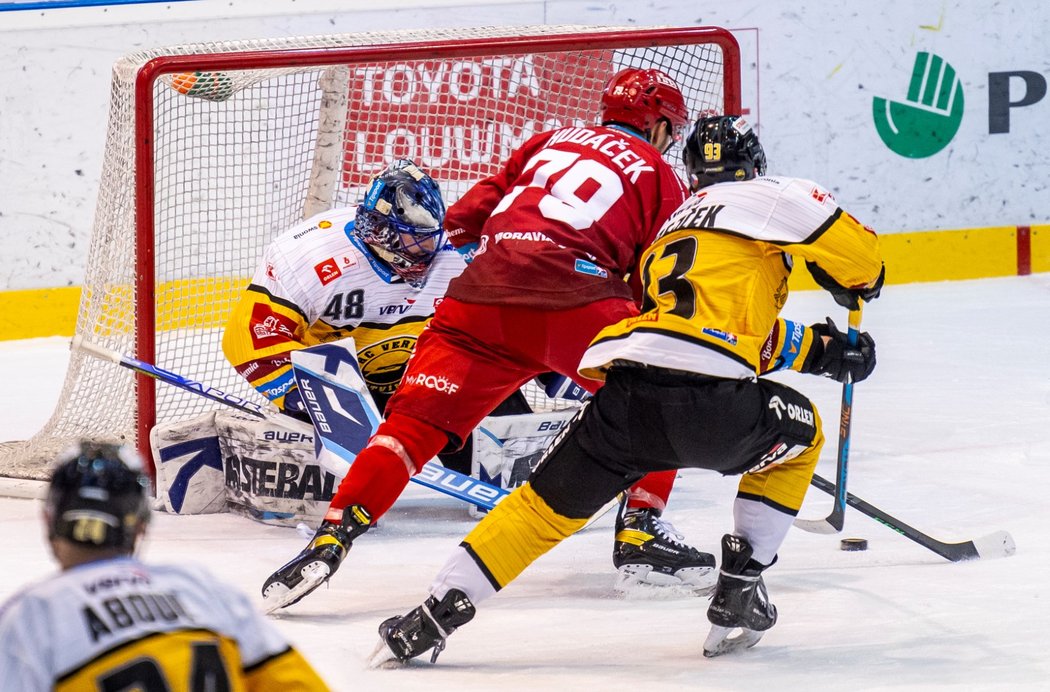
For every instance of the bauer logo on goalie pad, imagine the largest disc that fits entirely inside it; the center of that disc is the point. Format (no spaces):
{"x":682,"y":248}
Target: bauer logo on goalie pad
{"x":336,"y":396}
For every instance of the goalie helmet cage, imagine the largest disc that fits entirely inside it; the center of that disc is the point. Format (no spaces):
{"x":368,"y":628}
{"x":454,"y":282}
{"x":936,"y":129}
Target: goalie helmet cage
{"x":213,"y":149}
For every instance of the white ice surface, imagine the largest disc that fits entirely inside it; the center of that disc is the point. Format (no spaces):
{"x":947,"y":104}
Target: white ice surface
{"x":951,"y":434}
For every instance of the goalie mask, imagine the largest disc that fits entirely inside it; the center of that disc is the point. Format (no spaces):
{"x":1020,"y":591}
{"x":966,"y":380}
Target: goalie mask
{"x":97,"y":497}
{"x":722,"y":148}
{"x":642,"y":98}
{"x":401,"y":220}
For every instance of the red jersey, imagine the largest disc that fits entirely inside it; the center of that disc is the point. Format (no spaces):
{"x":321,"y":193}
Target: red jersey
{"x":565,"y":220}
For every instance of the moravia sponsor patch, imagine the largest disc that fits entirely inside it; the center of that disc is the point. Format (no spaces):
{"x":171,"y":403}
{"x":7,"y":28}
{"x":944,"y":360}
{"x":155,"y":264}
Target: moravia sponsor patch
{"x":721,"y":335}
{"x":590,"y":268}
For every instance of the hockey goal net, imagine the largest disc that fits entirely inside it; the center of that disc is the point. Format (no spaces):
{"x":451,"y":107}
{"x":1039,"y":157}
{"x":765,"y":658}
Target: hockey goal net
{"x":214,"y":149}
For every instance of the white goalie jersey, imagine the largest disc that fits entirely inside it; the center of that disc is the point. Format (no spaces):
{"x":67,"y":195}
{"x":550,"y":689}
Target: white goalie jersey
{"x":318,"y":283}
{"x":122,"y":624}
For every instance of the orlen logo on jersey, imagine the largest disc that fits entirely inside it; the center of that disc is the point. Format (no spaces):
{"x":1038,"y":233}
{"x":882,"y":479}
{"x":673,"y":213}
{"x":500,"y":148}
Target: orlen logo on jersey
{"x":794,"y":411}
{"x":328,"y":271}
{"x":267,"y":327}
{"x":437,"y":383}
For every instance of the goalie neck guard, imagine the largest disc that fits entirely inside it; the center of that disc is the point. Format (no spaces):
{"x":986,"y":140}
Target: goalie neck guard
{"x":97,"y":497}
{"x":401,"y":220}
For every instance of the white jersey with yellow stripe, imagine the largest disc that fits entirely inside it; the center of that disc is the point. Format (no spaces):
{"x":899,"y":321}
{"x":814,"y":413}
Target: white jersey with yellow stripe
{"x":118,"y":623}
{"x":715,"y":279}
{"x":318,"y":282}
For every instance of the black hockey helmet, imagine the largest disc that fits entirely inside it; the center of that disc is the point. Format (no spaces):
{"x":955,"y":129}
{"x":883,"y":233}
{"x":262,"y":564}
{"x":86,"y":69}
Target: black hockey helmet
{"x":98,"y":497}
{"x":722,"y":148}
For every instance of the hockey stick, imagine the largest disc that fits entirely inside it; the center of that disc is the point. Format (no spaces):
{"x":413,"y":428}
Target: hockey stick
{"x":834,"y":522}
{"x":433,"y":476}
{"x":995,"y":544}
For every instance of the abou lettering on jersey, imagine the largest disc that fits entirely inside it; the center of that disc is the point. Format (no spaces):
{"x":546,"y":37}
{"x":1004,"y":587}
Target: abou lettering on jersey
{"x":383,"y":363}
{"x":141,"y":609}
{"x":288,"y":480}
{"x":439,"y":112}
{"x":616,"y":147}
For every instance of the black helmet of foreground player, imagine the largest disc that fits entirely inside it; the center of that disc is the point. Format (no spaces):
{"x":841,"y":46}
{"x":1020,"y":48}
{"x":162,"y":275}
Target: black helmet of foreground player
{"x":641,"y":100}
{"x":97,"y":498}
{"x":722,"y":148}
{"x":401,"y":220}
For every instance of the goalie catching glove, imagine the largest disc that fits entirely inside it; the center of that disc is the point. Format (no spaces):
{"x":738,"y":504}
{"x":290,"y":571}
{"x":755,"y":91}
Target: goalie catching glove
{"x":835,"y":358}
{"x":848,"y":298}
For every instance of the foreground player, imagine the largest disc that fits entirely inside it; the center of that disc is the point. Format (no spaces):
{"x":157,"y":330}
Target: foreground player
{"x":681,"y":389}
{"x":111,"y":622}
{"x":551,"y":238}
{"x":374,"y":272}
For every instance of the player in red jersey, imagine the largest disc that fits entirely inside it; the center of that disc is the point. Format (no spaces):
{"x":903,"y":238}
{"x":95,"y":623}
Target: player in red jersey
{"x":551,"y":239}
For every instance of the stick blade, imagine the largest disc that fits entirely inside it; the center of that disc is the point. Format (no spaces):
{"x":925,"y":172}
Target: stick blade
{"x":817,"y":526}
{"x":996,"y":544}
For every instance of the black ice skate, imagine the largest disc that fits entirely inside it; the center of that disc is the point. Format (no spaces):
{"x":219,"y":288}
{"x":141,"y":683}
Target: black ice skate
{"x":648,"y":550}
{"x":317,"y":562}
{"x":403,"y":637}
{"x":740,"y":601}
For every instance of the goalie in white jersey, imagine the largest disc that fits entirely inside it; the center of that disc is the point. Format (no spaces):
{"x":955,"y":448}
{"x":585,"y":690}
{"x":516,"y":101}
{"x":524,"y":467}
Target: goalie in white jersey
{"x":374,"y":272}
{"x":682,"y":389}
{"x":111,"y":622}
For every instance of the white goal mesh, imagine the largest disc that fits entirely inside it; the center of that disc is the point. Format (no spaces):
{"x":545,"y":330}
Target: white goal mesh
{"x":213,"y":149}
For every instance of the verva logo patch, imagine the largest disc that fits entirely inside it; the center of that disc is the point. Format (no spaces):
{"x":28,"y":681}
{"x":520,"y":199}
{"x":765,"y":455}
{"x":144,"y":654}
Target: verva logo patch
{"x":269,"y":328}
{"x":328,"y":271}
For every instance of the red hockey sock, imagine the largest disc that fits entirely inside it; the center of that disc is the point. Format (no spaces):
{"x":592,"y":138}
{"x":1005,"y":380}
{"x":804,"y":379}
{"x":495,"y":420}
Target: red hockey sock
{"x":652,"y":490}
{"x":374,"y":481}
{"x":379,"y":474}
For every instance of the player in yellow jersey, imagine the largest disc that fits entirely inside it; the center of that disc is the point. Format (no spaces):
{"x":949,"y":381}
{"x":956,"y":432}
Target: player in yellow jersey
{"x":111,"y":622}
{"x":683,"y":389}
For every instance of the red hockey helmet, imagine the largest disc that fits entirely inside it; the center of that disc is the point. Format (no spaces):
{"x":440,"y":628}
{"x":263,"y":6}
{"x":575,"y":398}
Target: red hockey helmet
{"x":640,"y":98}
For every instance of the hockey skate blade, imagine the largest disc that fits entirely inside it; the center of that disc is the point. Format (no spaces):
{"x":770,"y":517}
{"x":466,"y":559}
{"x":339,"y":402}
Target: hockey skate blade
{"x":382,"y":656}
{"x":719,"y":642}
{"x":996,"y":544}
{"x":644,"y":581}
{"x":279,"y":596}
{"x":816,"y":526}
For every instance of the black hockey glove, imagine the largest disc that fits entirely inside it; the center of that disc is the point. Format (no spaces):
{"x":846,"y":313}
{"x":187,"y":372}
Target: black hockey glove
{"x":295,"y":407}
{"x":837,"y":359}
{"x":846,"y":297}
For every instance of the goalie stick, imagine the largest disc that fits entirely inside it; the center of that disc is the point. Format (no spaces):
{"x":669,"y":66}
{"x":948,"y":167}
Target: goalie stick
{"x":834,"y":522}
{"x":995,"y":544}
{"x":433,"y":476}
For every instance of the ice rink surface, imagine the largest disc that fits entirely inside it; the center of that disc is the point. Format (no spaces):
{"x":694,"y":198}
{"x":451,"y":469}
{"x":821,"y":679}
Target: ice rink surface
{"x":951,"y":435}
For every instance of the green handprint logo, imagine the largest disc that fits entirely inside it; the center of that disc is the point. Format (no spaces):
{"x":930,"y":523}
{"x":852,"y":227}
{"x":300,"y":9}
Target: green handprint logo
{"x":927,"y":121}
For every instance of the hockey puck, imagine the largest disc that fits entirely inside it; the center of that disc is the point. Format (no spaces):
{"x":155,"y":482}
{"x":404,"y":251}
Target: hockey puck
{"x":854,"y":544}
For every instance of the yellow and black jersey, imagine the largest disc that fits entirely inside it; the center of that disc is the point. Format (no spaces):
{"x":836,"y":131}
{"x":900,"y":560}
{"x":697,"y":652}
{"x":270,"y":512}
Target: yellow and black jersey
{"x":121,"y":625}
{"x":716,"y":279}
{"x":317,"y":282}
